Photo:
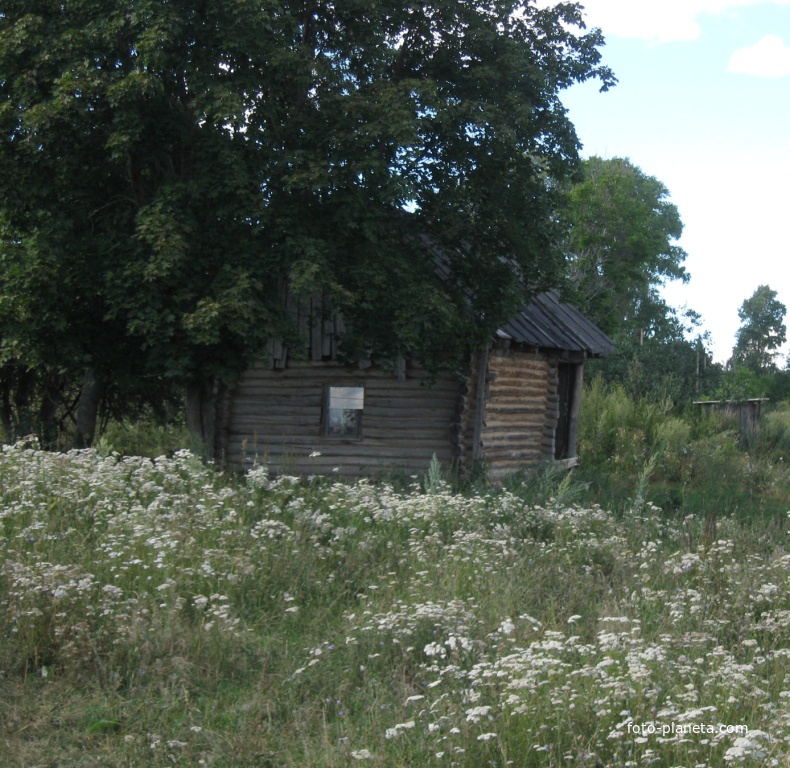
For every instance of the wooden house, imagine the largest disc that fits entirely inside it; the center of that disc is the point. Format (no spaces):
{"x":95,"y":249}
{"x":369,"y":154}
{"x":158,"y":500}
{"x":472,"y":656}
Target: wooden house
{"x":518,"y":403}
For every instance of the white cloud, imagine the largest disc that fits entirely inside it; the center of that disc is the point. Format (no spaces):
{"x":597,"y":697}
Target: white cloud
{"x":659,"y":21}
{"x":769,"y":57}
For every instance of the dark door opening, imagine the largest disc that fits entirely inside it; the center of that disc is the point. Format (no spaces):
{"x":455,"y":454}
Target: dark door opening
{"x":568,"y":392}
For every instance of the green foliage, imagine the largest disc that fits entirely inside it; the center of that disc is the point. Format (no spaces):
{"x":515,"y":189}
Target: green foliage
{"x":670,"y":368}
{"x":743,"y":383}
{"x":145,"y":437}
{"x":762,"y":331}
{"x":549,"y":484}
{"x":169,"y":170}
{"x":622,"y":246}
{"x":775,"y":430}
{"x":619,"y":429}
{"x":684,"y":461}
{"x":434,"y":481}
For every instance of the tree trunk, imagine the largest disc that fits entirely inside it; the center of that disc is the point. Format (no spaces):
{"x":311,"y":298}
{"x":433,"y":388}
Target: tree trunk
{"x":6,"y":411}
{"x":88,"y":409}
{"x":200,"y":415}
{"x":48,"y":408}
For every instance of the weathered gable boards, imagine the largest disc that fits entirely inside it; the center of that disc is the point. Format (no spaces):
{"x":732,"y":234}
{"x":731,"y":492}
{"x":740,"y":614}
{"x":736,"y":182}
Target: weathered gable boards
{"x":516,"y":405}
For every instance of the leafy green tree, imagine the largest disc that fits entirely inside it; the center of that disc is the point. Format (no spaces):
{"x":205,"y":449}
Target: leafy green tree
{"x":169,"y":168}
{"x":622,"y":247}
{"x":672,"y":363}
{"x":762,"y":331}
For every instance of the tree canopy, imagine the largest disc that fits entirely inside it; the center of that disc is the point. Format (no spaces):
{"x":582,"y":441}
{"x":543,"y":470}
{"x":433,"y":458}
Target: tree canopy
{"x":622,"y":246}
{"x":762,"y":331}
{"x":169,"y":168}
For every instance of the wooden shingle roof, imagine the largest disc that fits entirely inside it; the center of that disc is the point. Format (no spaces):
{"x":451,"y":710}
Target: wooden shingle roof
{"x":548,"y":323}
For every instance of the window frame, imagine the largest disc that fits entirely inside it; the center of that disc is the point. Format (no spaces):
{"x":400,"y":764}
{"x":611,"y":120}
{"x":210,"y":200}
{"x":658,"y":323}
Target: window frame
{"x":325,"y":410}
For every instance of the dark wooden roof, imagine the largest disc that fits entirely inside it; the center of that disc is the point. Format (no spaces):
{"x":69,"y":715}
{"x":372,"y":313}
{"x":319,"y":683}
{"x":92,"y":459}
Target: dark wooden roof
{"x":550,"y":324}
{"x":546,"y":322}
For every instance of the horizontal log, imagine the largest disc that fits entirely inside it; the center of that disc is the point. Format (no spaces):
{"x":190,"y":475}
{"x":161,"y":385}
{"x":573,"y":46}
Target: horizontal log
{"x":532,"y":399}
{"x":328,"y":463}
{"x":505,"y":405}
{"x":534,"y":430}
{"x":279,"y":422}
{"x":274,"y":385}
{"x":514,"y":449}
{"x":408,"y":401}
{"x":301,"y":368}
{"x":517,"y":361}
{"x":516,"y":392}
{"x":504,"y":411}
{"x":517,"y":420}
{"x":511,"y":437}
{"x":393,"y":389}
{"x":511,"y":458}
{"x":516,"y":377}
{"x":517,"y":364}
{"x":441,"y":410}
{"x":342,"y":453}
{"x":282,"y":419}
{"x":342,"y":445}
{"x":275,"y":411}
{"x":311,"y":387}
{"x":498,"y":466}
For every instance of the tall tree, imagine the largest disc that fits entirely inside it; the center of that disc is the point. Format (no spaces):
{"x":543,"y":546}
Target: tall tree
{"x":622,"y":246}
{"x":169,"y":167}
{"x":762,"y":331}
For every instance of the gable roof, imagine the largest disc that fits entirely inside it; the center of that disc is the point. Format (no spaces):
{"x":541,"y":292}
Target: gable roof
{"x":550,"y":324}
{"x":546,"y":322}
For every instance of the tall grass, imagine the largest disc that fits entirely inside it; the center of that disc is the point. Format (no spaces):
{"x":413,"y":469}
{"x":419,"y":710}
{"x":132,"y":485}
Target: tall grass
{"x":686,"y":462}
{"x":152,"y":613}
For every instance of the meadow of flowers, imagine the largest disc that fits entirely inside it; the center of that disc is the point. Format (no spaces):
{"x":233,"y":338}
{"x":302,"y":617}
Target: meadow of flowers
{"x":154,"y":613}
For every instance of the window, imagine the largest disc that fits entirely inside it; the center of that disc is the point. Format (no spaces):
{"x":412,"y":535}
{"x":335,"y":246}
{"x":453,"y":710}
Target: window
{"x":344,"y":411}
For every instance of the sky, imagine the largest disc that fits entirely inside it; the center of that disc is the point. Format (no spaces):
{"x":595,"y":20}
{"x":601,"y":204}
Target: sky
{"x":703,"y":104}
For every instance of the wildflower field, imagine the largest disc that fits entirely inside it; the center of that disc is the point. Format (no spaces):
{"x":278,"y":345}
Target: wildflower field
{"x":154,"y":613}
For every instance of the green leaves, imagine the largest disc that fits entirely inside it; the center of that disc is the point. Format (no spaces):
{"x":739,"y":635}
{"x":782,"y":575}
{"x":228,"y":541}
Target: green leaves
{"x":178,"y":165}
{"x":622,"y":243}
{"x":762,"y":331}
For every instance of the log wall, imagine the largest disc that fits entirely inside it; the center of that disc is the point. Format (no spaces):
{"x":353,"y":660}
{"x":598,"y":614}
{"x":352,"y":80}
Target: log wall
{"x":521,"y":410}
{"x":275,"y":417}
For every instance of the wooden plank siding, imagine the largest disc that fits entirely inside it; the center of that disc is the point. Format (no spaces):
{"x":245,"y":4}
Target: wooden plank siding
{"x":521,"y":409}
{"x":275,"y":417}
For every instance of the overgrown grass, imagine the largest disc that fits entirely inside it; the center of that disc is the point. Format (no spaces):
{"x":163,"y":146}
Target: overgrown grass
{"x":148,"y":437}
{"x":696,"y":465}
{"x":153,"y":613}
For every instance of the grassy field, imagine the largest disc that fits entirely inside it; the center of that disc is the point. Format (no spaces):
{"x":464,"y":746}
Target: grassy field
{"x":154,"y":613}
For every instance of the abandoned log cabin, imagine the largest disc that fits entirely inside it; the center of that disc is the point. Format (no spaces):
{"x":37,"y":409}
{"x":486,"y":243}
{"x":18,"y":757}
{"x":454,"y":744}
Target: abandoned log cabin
{"x":517,"y":404}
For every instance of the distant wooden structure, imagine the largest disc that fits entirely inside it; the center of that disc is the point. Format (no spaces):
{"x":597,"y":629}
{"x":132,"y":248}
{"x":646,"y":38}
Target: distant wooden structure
{"x":518,"y":403}
{"x":745,"y":412}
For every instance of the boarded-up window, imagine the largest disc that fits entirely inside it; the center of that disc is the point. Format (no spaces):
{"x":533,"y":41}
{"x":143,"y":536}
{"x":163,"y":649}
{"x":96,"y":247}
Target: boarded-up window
{"x":343,"y":416}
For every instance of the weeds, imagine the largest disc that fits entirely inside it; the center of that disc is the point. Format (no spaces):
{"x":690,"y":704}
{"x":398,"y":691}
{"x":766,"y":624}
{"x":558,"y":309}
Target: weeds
{"x":153,"y":613}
